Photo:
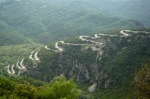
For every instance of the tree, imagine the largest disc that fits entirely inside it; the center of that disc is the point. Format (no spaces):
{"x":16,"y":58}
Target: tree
{"x":6,"y":87}
{"x":59,"y":88}
{"x":142,"y":79}
{"x":25,"y":91}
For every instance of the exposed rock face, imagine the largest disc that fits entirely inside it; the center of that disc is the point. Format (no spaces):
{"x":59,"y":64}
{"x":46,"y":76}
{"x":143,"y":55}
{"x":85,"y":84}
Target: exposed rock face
{"x":92,"y":87}
{"x":136,"y":79}
{"x":79,"y":72}
{"x":107,"y":83}
{"x":87,"y":75}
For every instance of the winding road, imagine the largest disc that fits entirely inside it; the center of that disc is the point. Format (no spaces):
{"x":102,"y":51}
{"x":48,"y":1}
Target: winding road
{"x":8,"y":70}
{"x":36,"y":59}
{"x":124,"y":33}
{"x":12,"y":71}
{"x":21,"y":67}
{"x":93,"y":45}
{"x":58,"y":48}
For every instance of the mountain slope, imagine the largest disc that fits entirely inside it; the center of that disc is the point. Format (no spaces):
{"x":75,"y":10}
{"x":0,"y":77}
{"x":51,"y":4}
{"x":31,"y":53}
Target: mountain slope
{"x":130,"y":9}
{"x":46,"y":21}
{"x":9,"y":36}
{"x":103,"y":61}
{"x":111,"y":70}
{"x":107,"y":61}
{"x":136,"y":9}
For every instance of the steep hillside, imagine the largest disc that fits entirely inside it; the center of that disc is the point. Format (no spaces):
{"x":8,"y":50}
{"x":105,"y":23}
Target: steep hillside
{"x":12,"y":53}
{"x":103,"y":64}
{"x":44,"y":21}
{"x":9,"y":35}
{"x":106,"y":61}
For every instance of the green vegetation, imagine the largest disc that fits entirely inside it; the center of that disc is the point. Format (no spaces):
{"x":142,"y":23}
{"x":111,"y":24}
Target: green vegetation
{"x":48,"y":21}
{"x":58,"y":88}
{"x":142,"y":83}
{"x":121,"y":58}
{"x":9,"y":35}
{"x":11,"y":54}
{"x":119,"y":72}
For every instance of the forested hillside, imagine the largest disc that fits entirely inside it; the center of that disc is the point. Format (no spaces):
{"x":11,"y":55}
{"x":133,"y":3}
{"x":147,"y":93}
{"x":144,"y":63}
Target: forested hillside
{"x":45,"y":21}
{"x":74,"y":49}
{"x":103,"y":64}
{"x":10,"y":36}
{"x":12,"y":53}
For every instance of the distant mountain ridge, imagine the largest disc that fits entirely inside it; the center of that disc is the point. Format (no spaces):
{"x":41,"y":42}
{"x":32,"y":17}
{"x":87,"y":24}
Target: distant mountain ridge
{"x":45,"y":21}
{"x":130,"y":9}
